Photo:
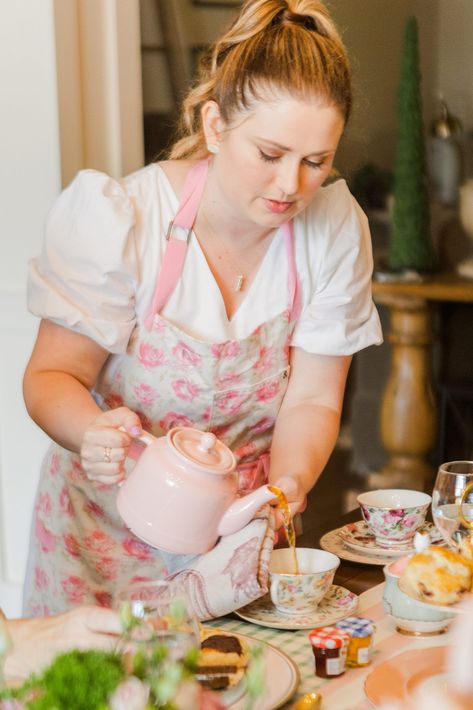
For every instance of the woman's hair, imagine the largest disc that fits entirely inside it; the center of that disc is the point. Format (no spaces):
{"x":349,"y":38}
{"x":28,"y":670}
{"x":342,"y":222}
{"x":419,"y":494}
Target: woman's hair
{"x":288,"y":45}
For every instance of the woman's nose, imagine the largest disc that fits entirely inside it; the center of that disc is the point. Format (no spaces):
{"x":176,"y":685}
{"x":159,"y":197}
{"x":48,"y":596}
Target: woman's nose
{"x":289,"y":179}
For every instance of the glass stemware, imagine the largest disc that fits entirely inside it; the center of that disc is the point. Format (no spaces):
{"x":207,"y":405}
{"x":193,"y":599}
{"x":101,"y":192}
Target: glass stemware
{"x":163,"y":614}
{"x":452,"y":502}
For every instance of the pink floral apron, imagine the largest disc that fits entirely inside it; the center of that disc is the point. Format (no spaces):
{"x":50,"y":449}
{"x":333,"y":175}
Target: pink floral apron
{"x":80,"y":550}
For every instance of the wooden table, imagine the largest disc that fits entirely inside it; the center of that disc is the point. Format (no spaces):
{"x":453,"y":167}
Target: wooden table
{"x":409,"y":410}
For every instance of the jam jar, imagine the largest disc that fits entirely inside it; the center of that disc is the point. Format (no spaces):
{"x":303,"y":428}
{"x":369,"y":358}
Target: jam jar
{"x":360,"y":646}
{"x":329,"y":645}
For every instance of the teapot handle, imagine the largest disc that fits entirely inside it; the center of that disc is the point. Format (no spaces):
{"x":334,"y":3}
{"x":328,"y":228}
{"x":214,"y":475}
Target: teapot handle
{"x":145,"y":437}
{"x":135,"y":451}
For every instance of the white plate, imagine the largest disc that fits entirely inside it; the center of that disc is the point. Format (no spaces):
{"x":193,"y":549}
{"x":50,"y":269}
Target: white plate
{"x":332,"y":542}
{"x":337,"y":604}
{"x":281,"y":679}
{"x":357,"y":536}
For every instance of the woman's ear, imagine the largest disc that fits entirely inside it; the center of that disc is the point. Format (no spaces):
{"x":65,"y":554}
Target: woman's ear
{"x":212,"y":125}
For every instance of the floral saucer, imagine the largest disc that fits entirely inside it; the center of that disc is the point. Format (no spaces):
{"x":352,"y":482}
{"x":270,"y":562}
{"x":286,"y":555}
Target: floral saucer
{"x":358,"y":536}
{"x":332,"y":542}
{"x":337,"y":604}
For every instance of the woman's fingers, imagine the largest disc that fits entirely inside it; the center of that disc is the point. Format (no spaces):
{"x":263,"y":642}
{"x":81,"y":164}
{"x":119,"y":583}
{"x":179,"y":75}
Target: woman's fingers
{"x":105,"y":444}
{"x":101,"y":620}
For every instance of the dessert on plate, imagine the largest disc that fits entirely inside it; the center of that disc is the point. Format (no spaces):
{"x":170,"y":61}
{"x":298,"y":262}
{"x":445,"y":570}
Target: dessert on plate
{"x":223,"y":659}
{"x":437,"y":576}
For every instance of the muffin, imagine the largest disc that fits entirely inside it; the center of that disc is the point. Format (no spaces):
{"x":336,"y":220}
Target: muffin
{"x":437,"y":576}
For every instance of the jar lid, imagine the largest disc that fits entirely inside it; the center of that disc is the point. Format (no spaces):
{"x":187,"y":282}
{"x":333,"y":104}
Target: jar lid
{"x":356,"y":626}
{"x":201,"y":448}
{"x":328,"y":637}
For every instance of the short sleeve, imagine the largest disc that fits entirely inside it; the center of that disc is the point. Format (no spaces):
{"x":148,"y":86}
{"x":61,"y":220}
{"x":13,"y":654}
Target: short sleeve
{"x":85,"y":277}
{"x":339,"y":316}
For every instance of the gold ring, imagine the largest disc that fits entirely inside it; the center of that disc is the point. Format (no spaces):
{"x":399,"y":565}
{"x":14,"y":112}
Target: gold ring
{"x":106,"y":454}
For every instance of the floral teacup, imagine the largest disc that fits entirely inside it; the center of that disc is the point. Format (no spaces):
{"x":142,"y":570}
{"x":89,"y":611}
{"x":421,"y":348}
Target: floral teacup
{"x":394,"y":514}
{"x":300,"y":593}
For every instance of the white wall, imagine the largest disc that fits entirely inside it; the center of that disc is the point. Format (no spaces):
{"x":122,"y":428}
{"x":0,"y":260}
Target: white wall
{"x":29,"y":180}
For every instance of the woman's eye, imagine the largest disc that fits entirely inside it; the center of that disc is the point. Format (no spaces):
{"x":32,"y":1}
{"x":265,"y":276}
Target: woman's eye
{"x":314,"y":165}
{"x":268,"y":158}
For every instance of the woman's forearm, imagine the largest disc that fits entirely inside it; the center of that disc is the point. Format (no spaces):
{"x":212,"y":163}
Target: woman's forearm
{"x":61,"y":405}
{"x":304,"y":437}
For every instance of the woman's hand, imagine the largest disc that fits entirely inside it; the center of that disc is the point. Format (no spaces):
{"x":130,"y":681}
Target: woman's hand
{"x":105,"y":444}
{"x":37,"y":641}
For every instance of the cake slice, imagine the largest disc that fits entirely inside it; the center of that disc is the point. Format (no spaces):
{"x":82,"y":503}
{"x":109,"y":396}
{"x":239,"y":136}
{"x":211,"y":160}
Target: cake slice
{"x":223,"y":659}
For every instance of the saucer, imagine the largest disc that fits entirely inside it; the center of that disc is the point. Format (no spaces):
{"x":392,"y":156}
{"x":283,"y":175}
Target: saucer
{"x":337,"y":604}
{"x":332,"y":542}
{"x":358,"y":536}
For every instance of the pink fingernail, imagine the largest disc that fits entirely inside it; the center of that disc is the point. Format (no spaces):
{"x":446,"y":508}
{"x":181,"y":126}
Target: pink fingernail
{"x":135,"y":431}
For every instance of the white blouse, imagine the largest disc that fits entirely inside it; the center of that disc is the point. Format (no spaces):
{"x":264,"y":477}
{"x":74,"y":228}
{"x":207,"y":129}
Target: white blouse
{"x":104,"y":244}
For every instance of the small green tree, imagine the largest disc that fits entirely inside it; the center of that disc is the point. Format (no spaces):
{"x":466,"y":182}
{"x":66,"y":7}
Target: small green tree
{"x":410,"y":244}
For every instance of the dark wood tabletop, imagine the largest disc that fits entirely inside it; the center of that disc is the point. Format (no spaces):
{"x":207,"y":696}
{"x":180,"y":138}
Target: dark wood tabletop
{"x":354,"y":576}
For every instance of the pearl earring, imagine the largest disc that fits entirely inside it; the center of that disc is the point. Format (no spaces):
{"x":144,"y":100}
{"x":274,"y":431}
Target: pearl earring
{"x":213,"y":148}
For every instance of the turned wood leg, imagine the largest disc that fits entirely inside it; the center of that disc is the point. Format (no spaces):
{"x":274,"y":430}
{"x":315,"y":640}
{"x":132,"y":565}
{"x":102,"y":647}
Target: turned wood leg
{"x":409,"y":410}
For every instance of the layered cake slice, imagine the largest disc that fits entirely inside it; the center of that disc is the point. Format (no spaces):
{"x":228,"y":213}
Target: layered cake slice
{"x":223,"y":659}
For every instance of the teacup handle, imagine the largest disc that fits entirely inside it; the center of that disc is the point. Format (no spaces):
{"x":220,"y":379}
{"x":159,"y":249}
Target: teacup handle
{"x":467,"y":523}
{"x":274,"y":590}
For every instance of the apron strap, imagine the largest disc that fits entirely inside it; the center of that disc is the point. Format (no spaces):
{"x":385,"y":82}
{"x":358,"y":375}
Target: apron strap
{"x":293,"y":283}
{"x":176,"y":248}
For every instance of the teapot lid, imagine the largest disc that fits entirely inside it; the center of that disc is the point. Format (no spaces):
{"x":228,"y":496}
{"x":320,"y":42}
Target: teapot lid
{"x":202,"y":448}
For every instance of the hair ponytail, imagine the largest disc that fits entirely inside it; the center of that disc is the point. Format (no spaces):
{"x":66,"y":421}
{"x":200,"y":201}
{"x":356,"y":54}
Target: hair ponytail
{"x":289,"y":45}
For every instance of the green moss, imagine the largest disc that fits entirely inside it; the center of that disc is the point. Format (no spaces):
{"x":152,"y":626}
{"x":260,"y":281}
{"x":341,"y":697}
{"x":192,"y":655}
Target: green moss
{"x":78,"y":680}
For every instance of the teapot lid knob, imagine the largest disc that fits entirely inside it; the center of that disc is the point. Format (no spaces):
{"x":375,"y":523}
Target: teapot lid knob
{"x":202,"y":449}
{"x":207,"y":442}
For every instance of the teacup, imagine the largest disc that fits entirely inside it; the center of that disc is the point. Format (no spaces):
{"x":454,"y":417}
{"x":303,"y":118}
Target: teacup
{"x":300,"y":593}
{"x":394,"y":514}
{"x":412,"y":617}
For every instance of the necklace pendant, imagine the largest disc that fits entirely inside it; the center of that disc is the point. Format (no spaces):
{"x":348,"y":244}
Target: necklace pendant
{"x":239,"y":282}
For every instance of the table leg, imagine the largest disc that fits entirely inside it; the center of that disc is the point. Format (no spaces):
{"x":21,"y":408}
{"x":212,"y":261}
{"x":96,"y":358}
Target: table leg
{"x":409,"y":410}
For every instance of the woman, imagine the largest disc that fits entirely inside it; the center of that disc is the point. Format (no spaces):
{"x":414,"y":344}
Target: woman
{"x":243,"y":321}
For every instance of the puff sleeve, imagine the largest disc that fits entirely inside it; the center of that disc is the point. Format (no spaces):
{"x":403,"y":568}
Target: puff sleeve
{"x":85,"y":278}
{"x":339,"y":317}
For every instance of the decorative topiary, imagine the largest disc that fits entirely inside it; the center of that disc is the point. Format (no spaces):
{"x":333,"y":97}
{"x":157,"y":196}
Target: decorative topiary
{"x":410,"y":244}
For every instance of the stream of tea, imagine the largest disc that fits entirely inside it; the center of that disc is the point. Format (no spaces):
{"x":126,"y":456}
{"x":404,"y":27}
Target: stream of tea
{"x":288,"y":523}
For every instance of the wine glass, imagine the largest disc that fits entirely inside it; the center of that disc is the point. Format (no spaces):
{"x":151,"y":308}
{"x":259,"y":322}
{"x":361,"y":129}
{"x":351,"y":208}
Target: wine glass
{"x":162,"y":613}
{"x":452,"y":502}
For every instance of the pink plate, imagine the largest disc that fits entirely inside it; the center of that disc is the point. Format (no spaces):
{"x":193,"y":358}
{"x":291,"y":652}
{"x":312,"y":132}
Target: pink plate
{"x":396,"y":680}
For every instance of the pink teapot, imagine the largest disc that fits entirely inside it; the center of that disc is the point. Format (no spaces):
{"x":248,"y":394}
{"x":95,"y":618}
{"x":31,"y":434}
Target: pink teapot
{"x":182,"y":493}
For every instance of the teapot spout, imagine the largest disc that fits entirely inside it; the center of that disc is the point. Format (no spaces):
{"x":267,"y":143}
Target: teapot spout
{"x":242,"y":510}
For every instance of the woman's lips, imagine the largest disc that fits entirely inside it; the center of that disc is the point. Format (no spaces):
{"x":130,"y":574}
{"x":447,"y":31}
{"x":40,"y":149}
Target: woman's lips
{"x":277,"y":206}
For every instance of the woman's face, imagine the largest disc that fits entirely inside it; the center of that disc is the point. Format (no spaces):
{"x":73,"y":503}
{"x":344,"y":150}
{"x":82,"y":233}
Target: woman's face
{"x":273,"y":158}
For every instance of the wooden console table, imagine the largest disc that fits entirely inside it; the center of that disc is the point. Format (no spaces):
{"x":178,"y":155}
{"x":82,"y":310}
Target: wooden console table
{"x":409,"y":408}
